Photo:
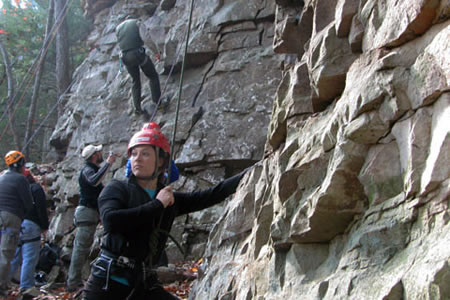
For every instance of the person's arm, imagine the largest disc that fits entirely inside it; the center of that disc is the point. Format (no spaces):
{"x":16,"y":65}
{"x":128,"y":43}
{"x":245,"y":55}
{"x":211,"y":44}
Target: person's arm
{"x":117,"y":217}
{"x":95,"y":178}
{"x":191,"y":202}
{"x":41,"y":206}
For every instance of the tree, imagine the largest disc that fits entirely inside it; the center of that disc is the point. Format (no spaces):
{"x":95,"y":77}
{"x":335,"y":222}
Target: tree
{"x":10,"y":97}
{"x":62,"y":50}
{"x":21,"y":42}
{"x":22,"y":28}
{"x":37,"y":79}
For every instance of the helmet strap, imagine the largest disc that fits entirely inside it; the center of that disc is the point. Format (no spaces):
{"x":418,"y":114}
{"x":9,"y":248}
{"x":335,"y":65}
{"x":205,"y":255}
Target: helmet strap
{"x":17,"y":165}
{"x":156,"y":172}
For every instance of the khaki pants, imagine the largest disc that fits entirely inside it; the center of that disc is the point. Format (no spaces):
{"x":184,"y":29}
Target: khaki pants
{"x":10,"y":226}
{"x":86,"y":221}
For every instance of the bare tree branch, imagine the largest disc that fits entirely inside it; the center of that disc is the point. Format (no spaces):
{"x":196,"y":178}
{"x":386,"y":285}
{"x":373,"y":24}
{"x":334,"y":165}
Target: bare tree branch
{"x":62,"y":50}
{"x":10,"y":96}
{"x":37,"y":79}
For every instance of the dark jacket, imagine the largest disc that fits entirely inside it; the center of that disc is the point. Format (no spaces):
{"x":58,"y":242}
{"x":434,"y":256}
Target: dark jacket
{"x":129,"y":215}
{"x":90,"y":184}
{"x":15,"y":194}
{"x":128,"y":35}
{"x":38,"y":214}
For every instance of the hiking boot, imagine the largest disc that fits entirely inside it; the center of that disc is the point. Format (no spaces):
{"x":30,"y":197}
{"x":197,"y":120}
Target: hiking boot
{"x":73,"y":288}
{"x":3,"y":293}
{"x":15,"y":280}
{"x":31,"y":292}
{"x":145,"y":116}
{"x":164,"y":105}
{"x":40,"y":279}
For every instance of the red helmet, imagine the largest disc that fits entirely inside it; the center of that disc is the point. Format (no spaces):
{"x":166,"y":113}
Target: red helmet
{"x":26,"y":172}
{"x":151,"y":125}
{"x":149,"y":137}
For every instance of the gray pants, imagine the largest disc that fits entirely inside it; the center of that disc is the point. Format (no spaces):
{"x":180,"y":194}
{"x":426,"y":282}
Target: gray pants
{"x":133,"y":60}
{"x":86,"y":221}
{"x":10,"y":226}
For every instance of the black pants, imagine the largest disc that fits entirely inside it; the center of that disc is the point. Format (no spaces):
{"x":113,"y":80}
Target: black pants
{"x":116,"y":291}
{"x":133,"y":59}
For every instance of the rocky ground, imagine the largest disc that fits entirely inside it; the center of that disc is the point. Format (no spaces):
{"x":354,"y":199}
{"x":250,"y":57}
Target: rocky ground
{"x":176,"y":278}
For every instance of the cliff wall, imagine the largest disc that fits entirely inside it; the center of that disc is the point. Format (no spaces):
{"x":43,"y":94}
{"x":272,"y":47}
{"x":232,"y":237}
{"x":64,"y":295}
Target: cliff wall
{"x":351,"y":200}
{"x":343,"y":105}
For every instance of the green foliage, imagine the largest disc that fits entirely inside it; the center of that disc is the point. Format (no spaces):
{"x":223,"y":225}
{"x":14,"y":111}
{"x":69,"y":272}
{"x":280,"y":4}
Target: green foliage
{"x":22,"y":32}
{"x":83,"y":27}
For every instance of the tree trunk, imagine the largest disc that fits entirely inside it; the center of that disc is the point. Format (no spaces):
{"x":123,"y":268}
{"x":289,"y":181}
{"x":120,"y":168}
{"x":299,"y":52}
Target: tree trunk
{"x":37,"y":79}
{"x":62,"y":51}
{"x":10,"y":97}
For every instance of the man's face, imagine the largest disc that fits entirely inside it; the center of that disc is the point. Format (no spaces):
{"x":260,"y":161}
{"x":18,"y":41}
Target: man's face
{"x":143,"y":161}
{"x":99,"y":157}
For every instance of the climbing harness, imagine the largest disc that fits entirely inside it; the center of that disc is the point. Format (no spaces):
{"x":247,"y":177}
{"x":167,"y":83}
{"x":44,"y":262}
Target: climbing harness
{"x":21,"y":242}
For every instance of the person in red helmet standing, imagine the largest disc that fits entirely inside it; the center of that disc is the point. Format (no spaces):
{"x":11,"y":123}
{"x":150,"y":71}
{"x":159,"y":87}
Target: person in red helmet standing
{"x":15,"y":201}
{"x":174,"y":173}
{"x":123,"y":269}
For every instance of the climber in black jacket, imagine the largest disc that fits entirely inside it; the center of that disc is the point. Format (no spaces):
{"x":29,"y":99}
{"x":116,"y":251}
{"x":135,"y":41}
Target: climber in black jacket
{"x":34,"y":224}
{"x":134,"y":213}
{"x":86,"y":213}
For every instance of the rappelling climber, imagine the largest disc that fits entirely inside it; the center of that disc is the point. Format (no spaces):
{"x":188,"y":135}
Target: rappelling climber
{"x":136,"y":213}
{"x":134,"y":58}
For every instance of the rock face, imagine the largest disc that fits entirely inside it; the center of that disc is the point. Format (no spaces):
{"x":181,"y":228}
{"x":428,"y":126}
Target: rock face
{"x":352,"y":198}
{"x":349,"y":198}
{"x":230,"y":79}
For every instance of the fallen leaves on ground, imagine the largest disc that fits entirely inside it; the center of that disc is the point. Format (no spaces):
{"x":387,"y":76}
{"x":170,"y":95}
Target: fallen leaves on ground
{"x":52,"y":294}
{"x":190,"y":269}
{"x":179,"y":288}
